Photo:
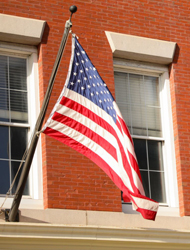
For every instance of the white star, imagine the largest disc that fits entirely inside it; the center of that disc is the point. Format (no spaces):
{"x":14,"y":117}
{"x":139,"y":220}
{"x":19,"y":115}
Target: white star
{"x":72,"y":83}
{"x":94,"y":69}
{"x":92,"y":94}
{"x":90,"y":77}
{"x":108,"y":99}
{"x":78,"y":54}
{"x":113,"y":115}
{"x":81,"y":71}
{"x":82,"y":88}
{"x":90,"y":67}
{"x":104,"y":100}
{"x":86,"y":60}
{"x":75,"y":73}
{"x":96,"y":92}
{"x":78,"y":80}
{"x":94,"y":84}
{"x":82,"y":61}
{"x":98,"y":84}
{"x":94,"y":76}
{"x":77,"y":63}
{"x":104,"y":84}
{"x":101,"y":92}
{"x":85,"y":78}
{"x":108,"y":108}
{"x":100,"y":101}
{"x":88,"y":86}
{"x":83,"y":52}
{"x":86,"y":69}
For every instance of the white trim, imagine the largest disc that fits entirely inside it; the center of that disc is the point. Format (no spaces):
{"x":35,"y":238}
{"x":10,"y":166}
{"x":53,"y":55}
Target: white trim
{"x":168,"y":147}
{"x":35,"y":176}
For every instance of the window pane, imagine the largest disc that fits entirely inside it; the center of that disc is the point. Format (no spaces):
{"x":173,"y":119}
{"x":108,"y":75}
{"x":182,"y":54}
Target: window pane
{"x":137,"y":89}
{"x":122,"y":93}
{"x":17,"y":71}
{"x":3,"y":72}
{"x":157,"y":186}
{"x":18,"y":142}
{"x":141,"y":153}
{"x":4,"y":145}
{"x":19,"y":109}
{"x":145,"y":181}
{"x":154,"y":122}
{"x":139,"y":122}
{"x":14,"y":169}
{"x":152,"y":90}
{"x":155,"y":155}
{"x":4,"y":105}
{"x":4,"y":177}
{"x":140,"y":96}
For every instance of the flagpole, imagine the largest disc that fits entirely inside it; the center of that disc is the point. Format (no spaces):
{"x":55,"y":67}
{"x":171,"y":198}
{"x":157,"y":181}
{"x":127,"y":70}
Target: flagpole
{"x":24,"y":175}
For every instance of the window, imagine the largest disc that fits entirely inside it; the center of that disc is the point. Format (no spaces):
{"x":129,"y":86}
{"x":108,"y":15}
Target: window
{"x":138,"y":99}
{"x":13,"y":119}
{"x":19,"y":108}
{"x":141,"y":94}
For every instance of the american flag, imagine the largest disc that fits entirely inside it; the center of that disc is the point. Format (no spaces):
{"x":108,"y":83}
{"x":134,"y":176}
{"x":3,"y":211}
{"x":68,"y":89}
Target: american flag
{"x":87,"y":119}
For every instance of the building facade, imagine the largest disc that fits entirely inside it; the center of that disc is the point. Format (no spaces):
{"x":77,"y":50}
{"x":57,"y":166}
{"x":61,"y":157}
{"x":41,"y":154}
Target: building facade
{"x":141,"y":50}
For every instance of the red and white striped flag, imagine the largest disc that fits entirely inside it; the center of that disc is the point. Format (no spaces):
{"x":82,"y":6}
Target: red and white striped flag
{"x":87,"y":118}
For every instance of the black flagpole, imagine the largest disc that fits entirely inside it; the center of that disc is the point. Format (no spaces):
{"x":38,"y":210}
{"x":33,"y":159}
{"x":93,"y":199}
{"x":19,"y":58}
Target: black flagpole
{"x":24,"y":175}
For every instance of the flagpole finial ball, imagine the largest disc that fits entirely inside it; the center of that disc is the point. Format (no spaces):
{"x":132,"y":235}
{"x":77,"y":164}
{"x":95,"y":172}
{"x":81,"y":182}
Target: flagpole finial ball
{"x":73,"y":9}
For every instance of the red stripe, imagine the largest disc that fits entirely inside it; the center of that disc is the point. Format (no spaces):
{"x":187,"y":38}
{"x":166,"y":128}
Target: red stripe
{"x":147,"y":214}
{"x":87,"y":132}
{"x":125,"y":128}
{"x":135,"y":165}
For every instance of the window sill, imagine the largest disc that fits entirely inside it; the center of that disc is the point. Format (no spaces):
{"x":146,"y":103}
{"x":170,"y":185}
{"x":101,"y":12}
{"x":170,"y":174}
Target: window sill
{"x":162,"y":211}
{"x":26,"y":203}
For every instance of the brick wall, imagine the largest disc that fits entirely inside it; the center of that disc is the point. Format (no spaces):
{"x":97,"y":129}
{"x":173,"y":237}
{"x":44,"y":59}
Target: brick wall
{"x":70,"y":180}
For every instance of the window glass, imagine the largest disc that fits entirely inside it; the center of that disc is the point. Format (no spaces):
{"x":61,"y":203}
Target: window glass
{"x":138,"y":99}
{"x":13,"y":111}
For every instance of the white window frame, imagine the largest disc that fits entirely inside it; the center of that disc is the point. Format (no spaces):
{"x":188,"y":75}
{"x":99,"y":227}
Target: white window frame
{"x":129,"y":66}
{"x":34,"y":199}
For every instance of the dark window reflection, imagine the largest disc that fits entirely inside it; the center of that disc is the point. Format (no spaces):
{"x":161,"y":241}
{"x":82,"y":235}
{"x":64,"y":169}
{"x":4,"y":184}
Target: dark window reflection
{"x":4,"y":177}
{"x":14,"y":169}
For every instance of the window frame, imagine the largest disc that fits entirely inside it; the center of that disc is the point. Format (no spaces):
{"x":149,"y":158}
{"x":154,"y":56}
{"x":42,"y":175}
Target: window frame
{"x":161,"y":71}
{"x":30,"y":53}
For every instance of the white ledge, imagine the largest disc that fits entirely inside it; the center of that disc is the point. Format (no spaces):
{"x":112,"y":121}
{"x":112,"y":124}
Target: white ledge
{"x":47,"y":237}
{"x":21,"y":30}
{"x":141,"y":48}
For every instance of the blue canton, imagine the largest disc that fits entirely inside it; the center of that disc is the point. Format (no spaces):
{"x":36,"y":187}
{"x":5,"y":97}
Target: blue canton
{"x":85,"y":80}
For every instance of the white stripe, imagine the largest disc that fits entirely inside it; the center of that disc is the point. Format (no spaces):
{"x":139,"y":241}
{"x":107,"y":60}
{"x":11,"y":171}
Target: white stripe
{"x":146,"y":204}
